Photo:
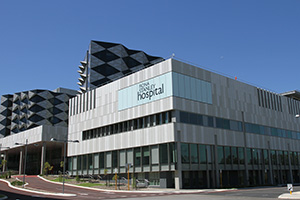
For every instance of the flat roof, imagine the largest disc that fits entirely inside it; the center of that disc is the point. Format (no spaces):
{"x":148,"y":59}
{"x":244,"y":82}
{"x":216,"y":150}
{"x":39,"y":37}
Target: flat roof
{"x":295,"y":94}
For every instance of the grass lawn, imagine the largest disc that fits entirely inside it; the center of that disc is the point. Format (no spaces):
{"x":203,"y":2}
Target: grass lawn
{"x":90,"y":184}
{"x":66,"y":180}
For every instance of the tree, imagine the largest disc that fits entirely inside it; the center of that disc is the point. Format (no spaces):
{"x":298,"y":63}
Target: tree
{"x":47,"y":168}
{"x":105,"y":173}
{"x":3,"y":163}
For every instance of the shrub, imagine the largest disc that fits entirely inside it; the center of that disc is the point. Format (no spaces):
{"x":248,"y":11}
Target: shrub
{"x":17,"y":183}
{"x":77,"y":179}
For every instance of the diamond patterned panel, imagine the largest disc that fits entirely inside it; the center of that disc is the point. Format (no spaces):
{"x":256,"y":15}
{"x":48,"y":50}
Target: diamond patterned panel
{"x":32,"y":108}
{"x":111,"y":61}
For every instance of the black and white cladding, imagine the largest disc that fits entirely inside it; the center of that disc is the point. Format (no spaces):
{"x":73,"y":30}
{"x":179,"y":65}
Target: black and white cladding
{"x":106,"y":62}
{"x":25,"y":110}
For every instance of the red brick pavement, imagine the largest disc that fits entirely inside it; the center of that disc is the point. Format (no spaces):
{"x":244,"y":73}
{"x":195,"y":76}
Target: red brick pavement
{"x":36,"y":183}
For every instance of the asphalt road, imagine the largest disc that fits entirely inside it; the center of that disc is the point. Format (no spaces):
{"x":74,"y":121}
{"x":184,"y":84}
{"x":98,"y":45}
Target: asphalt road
{"x":257,"y":193}
{"x":262,"y":193}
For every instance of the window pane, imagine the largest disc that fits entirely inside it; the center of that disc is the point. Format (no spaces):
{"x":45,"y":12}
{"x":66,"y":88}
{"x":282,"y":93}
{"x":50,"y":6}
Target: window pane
{"x":115,"y":159}
{"x":227,"y":155}
{"x":173,"y":153}
{"x":96,"y":161}
{"x":129,"y":156}
{"x":194,"y":153}
{"x":185,"y":153}
{"x":221,"y":159}
{"x":90,"y":161}
{"x":154,"y":154}
{"x":84,"y":162}
{"x":241,"y":155}
{"x":101,"y":160}
{"x":146,"y":155}
{"x":249,"y":156}
{"x":266,"y":157}
{"x":234,"y":155}
{"x":108,"y":159}
{"x":137,"y":157}
{"x":163,"y":156}
{"x":202,"y":151}
{"x":79,"y":162}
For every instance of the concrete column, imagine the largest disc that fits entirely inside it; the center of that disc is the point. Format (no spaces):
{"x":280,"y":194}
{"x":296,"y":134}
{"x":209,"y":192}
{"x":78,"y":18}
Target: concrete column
{"x":43,"y":157}
{"x":21,"y":162}
{"x":178,"y":172}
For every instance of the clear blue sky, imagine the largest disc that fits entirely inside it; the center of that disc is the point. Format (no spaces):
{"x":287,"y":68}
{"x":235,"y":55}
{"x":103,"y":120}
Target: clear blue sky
{"x":42,"y":42}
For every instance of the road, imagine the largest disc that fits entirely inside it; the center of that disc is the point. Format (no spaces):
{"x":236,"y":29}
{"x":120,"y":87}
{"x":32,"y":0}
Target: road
{"x":258,"y":193}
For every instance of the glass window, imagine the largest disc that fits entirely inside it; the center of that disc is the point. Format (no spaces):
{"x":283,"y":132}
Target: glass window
{"x":125,"y":126}
{"x":185,"y":156}
{"x":101,"y":160}
{"x":163,"y":156}
{"x":115,"y":159}
{"x":152,"y":120}
{"x":79,"y":162}
{"x":135,"y":124}
{"x":273,"y":157}
{"x":274,"y":131}
{"x":96,"y":161}
{"x":266,"y":157}
{"x":222,"y":123}
{"x":227,"y":155}
{"x":147,"y":121}
{"x":154,"y":154}
{"x":254,"y":156}
{"x":70,"y":167}
{"x":170,"y":116}
{"x":173,"y":153}
{"x":281,"y":158}
{"x":241,"y":155}
{"x":202,"y":152}
{"x":146,"y":155}
{"x":210,"y":154}
{"x":221,"y":159}
{"x":90,"y":161}
{"x":130,"y":156}
{"x":286,"y":158}
{"x":122,"y":158}
{"x":296,"y":159}
{"x":164,"y":118}
{"x":292,"y":158}
{"x":234,"y":155}
{"x":194,"y":153}
{"x":249,"y":156}
{"x":84,"y":162}
{"x":137,"y":157}
{"x":108,"y":159}
{"x":74,"y":163}
{"x":200,"y":120}
{"x":208,"y":121}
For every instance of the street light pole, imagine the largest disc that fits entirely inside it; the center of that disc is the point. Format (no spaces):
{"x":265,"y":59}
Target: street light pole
{"x":65,"y":150}
{"x":64,"y":168}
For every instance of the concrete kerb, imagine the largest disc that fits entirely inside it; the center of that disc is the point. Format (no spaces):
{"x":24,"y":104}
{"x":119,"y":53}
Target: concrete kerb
{"x":141,"y":191}
{"x":37,"y":192}
{"x":294,"y":195}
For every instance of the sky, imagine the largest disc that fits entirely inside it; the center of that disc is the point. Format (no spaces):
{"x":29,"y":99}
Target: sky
{"x":257,"y":41}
